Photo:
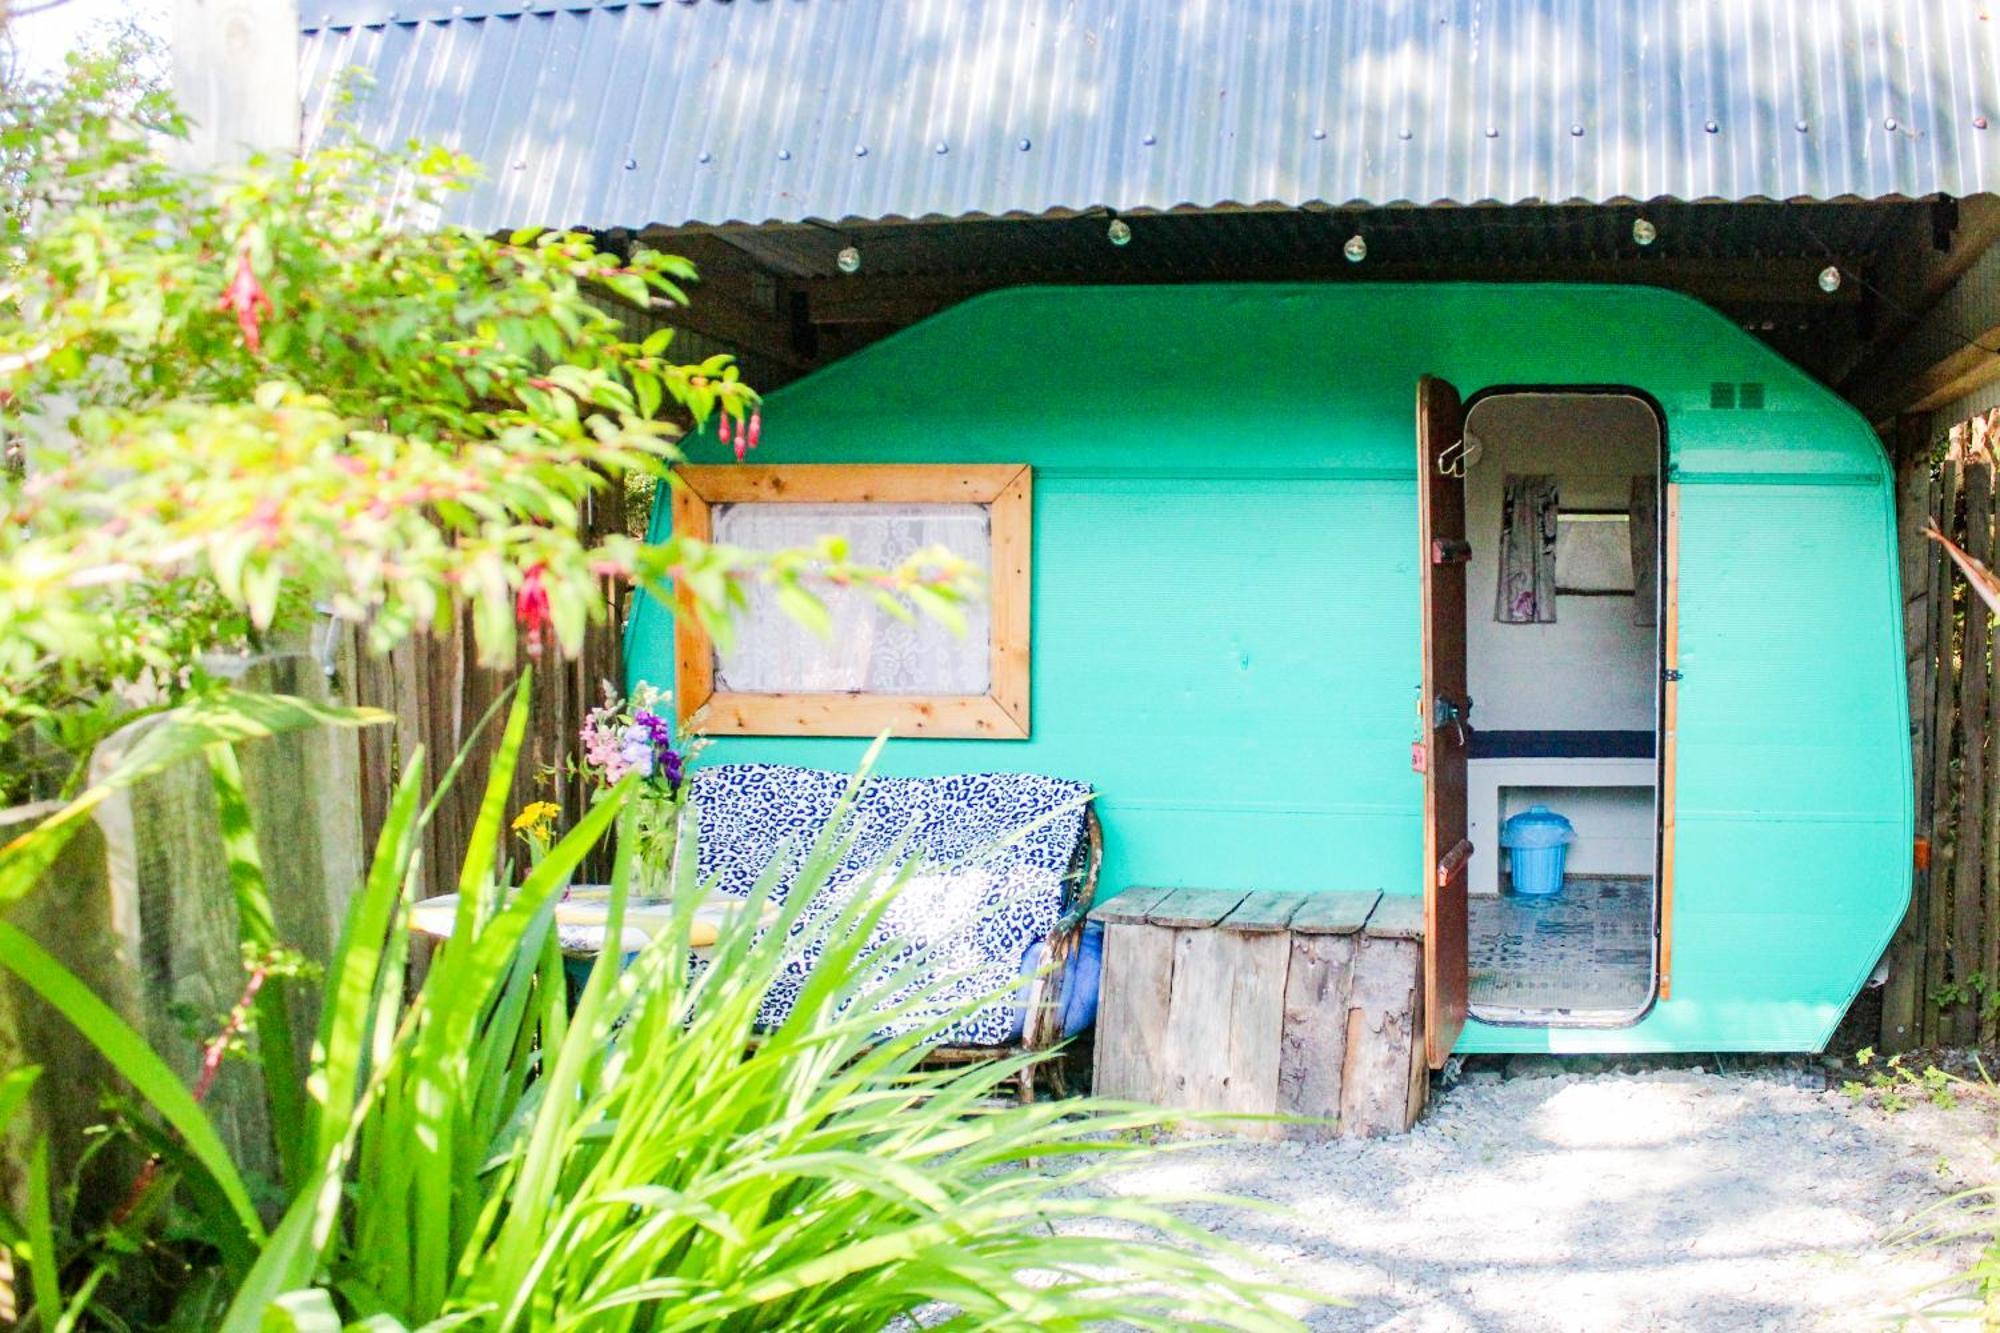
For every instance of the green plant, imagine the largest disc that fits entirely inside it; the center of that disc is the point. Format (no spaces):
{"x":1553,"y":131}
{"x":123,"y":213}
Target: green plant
{"x":1895,"y":1083}
{"x":231,"y":398}
{"x":482,"y":1155}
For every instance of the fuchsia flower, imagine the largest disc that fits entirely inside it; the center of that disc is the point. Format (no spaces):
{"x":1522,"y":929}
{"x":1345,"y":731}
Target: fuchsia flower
{"x":245,"y":296}
{"x":531,"y":607}
{"x":755,"y":428}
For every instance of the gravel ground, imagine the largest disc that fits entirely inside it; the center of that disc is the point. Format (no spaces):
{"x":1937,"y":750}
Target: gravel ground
{"x":1657,"y":1199}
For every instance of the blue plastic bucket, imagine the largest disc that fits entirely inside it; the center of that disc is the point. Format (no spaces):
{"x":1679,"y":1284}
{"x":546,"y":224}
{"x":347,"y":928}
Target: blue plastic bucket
{"x":1537,"y":842}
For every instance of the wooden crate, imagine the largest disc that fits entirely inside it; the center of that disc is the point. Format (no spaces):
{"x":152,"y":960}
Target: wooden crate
{"x":1264,"y":1004}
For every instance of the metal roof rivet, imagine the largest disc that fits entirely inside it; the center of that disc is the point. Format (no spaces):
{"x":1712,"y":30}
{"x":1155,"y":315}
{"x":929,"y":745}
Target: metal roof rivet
{"x":861,"y":150}
{"x":1711,"y":127}
{"x":705,"y":158}
{"x":942,"y":148}
{"x":631,"y":164}
{"x":1319,"y":134}
{"x":1403,"y":133}
{"x":1979,"y":122}
{"x":1801,"y":126}
{"x":1025,"y":145}
{"x":521,"y":165}
{"x":1889,"y":123}
{"x":1492,"y":131}
{"x":1149,"y":140}
{"x":1576,"y":131}
{"x":784,"y":154}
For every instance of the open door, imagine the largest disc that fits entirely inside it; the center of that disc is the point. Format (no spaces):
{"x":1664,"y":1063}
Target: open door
{"x":1443,"y":711}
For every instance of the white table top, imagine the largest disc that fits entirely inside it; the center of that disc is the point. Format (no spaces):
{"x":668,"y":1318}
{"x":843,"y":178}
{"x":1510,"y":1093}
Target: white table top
{"x":581,"y":919}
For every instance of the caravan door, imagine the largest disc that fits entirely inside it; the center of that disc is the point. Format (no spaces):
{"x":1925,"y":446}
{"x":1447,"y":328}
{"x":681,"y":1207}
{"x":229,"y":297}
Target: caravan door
{"x":1443,"y":707}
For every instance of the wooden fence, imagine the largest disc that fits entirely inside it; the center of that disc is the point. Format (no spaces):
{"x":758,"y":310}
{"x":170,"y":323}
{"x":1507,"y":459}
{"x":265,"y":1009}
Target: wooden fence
{"x":1944,"y":967}
{"x":439,"y":692}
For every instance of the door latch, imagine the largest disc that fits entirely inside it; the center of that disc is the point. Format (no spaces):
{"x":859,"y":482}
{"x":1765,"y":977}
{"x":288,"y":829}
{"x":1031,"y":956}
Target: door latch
{"x":1449,"y":712}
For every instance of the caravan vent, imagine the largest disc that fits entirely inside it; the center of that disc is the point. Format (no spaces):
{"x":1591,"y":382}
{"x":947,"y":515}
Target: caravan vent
{"x":1750,"y":396}
{"x":1721,"y":393}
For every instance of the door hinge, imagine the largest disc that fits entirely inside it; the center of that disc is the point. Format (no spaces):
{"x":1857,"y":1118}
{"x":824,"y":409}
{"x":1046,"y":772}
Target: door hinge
{"x":1671,"y":674}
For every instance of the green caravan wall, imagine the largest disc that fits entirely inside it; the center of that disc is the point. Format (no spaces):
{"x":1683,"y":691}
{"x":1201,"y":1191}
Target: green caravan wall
{"x":1225,"y":600}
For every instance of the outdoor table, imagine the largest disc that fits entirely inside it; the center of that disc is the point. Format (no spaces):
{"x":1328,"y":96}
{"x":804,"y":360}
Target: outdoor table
{"x":581,"y":919}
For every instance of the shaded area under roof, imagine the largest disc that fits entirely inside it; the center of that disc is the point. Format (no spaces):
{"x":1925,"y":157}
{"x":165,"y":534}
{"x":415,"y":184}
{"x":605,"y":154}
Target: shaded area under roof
{"x":608,"y":113}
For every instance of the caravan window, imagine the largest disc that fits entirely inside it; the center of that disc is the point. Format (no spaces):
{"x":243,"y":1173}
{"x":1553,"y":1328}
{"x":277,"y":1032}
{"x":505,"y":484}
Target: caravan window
{"x":875,"y":671}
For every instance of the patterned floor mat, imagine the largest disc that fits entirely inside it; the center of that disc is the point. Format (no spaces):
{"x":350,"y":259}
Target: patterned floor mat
{"x":1587,"y":949}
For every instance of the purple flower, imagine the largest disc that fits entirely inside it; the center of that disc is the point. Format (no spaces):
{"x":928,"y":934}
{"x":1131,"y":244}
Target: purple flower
{"x":662,"y":760}
{"x":635,"y":752}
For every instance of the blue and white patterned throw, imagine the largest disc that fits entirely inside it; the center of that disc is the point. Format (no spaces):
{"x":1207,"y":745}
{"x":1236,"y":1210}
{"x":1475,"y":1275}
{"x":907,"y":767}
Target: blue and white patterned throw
{"x":992,"y":850}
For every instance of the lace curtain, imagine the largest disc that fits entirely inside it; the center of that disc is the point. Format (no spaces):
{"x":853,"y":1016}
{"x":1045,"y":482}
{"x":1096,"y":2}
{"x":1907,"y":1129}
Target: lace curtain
{"x":869,"y":650}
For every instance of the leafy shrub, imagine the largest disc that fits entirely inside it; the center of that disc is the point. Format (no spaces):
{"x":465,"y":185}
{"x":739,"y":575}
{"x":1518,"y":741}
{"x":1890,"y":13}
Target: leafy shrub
{"x":482,"y":1155}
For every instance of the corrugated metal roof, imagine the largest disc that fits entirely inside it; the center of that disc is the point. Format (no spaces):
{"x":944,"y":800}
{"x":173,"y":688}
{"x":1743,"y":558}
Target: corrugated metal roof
{"x":630,"y":112}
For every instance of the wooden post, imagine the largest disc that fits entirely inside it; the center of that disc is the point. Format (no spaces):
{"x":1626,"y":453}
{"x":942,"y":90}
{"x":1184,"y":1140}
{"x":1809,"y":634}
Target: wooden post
{"x":139,"y":908}
{"x":168,"y":885}
{"x":236,"y":73}
{"x":1944,"y":733}
{"x":1968,"y":886}
{"x":1902,"y":997}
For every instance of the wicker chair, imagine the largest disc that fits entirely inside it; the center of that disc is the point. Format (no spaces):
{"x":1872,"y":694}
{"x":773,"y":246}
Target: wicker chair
{"x":1043,"y":1028}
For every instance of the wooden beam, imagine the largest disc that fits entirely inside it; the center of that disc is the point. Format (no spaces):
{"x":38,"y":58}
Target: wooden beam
{"x":1931,"y":354}
{"x":894,"y":299}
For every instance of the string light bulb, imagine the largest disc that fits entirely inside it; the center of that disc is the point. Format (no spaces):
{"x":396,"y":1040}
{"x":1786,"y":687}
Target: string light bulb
{"x":1644,"y":232}
{"x":1829,"y":279}
{"x":1356,"y":248}
{"x":1119,"y":232}
{"x":848,"y":260}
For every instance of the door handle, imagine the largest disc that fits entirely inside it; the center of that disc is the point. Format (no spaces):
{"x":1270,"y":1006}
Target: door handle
{"x":1449,"y":712}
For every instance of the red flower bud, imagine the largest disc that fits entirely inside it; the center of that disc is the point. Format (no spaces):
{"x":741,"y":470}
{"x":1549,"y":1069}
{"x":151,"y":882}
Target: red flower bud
{"x":756,"y":427}
{"x":245,"y":296}
{"x":722,"y":427}
{"x":531,"y":607}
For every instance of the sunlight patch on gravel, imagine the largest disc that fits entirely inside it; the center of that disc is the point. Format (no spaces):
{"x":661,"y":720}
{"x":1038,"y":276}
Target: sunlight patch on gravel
{"x":1654,"y":1200}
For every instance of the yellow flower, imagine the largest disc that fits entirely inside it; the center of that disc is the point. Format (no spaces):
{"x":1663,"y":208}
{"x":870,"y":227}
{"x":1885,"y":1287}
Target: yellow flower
{"x":538,"y":819}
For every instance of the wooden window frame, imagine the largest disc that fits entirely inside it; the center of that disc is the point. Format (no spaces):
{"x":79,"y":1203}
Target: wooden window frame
{"x":1006,"y":489}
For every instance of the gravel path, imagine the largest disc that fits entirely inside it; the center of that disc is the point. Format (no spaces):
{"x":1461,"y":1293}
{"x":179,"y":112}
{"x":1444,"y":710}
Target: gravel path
{"x":1662,"y":1199}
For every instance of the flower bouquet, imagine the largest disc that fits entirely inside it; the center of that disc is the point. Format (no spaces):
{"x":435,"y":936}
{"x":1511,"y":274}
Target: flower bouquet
{"x":636,"y":735}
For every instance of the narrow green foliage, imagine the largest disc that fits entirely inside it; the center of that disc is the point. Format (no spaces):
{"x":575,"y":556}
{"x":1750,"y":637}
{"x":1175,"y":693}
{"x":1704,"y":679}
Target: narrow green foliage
{"x":482,"y":1154}
{"x":257,"y":929}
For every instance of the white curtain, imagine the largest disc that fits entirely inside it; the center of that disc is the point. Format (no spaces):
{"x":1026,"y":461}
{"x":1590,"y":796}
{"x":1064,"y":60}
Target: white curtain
{"x":869,"y":651}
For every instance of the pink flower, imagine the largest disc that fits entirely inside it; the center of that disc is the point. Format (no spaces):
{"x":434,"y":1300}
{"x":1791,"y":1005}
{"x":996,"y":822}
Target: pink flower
{"x":245,"y":296}
{"x":531,"y":607}
{"x":756,"y":428}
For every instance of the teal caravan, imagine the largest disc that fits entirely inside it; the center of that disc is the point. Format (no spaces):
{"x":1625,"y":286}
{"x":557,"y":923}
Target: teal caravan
{"x":1323,"y":587}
